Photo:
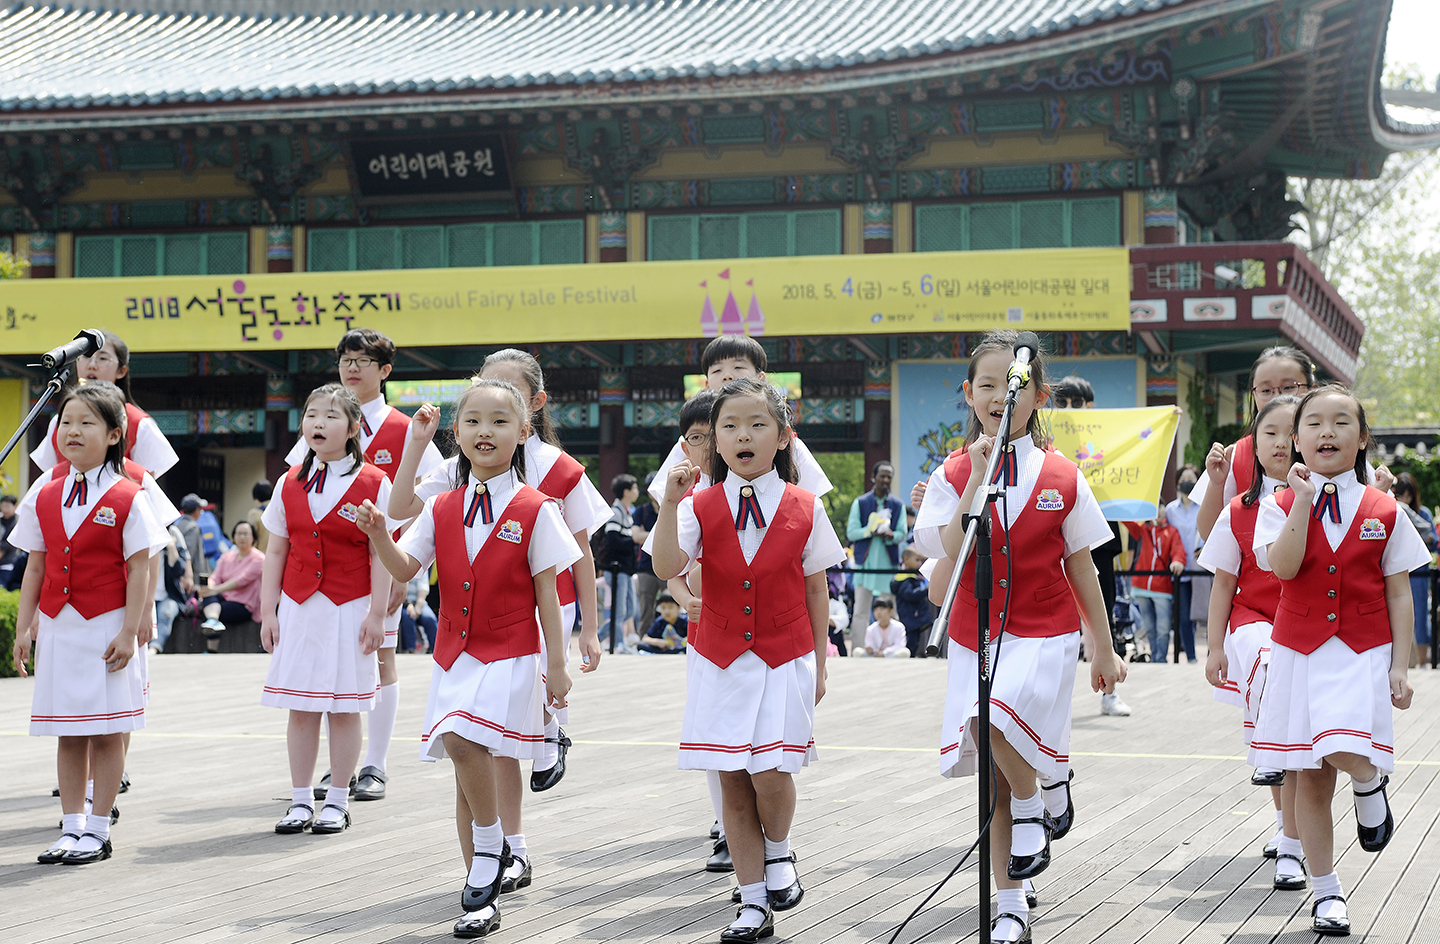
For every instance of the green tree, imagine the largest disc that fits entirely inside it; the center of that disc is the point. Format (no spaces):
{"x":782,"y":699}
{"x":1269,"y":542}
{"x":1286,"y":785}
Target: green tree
{"x":1378,"y":242}
{"x":12,"y":266}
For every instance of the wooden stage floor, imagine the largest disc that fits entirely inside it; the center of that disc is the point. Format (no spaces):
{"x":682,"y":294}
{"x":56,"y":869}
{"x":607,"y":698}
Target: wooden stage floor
{"x":1166,"y":846}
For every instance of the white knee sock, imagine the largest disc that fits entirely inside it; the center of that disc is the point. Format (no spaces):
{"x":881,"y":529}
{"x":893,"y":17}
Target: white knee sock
{"x":382,"y":725}
{"x":1027,"y":839}
{"x":1322,"y":885}
{"x":1055,"y":797}
{"x":550,"y":752}
{"x":1369,"y":810}
{"x":489,"y":839}
{"x":781,"y":874}
{"x":1010,"y":901}
{"x":751,"y":895}
{"x":717,"y":801}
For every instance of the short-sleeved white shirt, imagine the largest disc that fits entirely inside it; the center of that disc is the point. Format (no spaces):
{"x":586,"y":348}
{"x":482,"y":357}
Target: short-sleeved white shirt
{"x":375,"y":412}
{"x":337,"y":482}
{"x":582,"y":509}
{"x":812,"y":476}
{"x":1222,"y":550}
{"x":551,"y":543}
{"x":152,"y":450}
{"x":1084,"y":527}
{"x":142,"y":531}
{"x":1404,"y":552}
{"x":822,"y":547}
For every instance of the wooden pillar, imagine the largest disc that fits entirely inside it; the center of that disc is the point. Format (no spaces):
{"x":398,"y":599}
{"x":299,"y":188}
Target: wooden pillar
{"x":614,"y":446}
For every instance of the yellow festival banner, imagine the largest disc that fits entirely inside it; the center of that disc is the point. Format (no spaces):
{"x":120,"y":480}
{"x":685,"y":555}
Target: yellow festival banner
{"x":1038,"y":289}
{"x":1123,"y":454}
{"x":14,"y":401}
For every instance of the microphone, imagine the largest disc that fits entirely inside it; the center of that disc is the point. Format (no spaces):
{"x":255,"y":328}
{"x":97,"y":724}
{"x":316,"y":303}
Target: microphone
{"x":1027,"y":344}
{"x":87,"y":342}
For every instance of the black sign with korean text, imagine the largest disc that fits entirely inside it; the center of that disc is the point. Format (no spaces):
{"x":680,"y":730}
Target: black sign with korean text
{"x":402,"y":167}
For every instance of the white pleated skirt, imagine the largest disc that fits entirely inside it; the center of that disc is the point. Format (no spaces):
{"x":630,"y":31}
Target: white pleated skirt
{"x":748,"y":716}
{"x":567,"y":619}
{"x":392,"y":629}
{"x":1030,"y":690}
{"x":317,"y":664}
{"x":75,"y":693}
{"x":1247,"y":652}
{"x":497,"y":705}
{"x":1332,"y":700}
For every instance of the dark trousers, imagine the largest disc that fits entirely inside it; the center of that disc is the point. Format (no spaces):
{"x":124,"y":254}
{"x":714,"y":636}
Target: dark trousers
{"x":1185,"y":623}
{"x":231,"y":613}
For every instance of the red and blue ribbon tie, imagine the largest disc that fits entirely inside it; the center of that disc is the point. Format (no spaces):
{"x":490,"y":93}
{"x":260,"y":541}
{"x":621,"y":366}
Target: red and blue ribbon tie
{"x":749,"y":510}
{"x":1006,"y":472}
{"x":317,"y":480}
{"x":365,"y":425}
{"x":1329,"y":504}
{"x":480,"y":502}
{"x":79,"y":492}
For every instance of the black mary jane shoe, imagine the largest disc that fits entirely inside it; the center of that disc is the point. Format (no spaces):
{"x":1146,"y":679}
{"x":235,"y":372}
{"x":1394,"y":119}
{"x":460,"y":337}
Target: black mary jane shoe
{"x":1024,"y":938}
{"x":52,"y":855}
{"x":734,"y":935}
{"x":1272,"y":848}
{"x":474,"y":899}
{"x":478,"y":923}
{"x":84,"y":858}
{"x":323,"y":787}
{"x":125,"y":782}
{"x":1267,"y":778}
{"x":714,"y":827}
{"x":1032,"y":898}
{"x":1060,"y":825}
{"x":783,"y":899}
{"x":289,"y":825}
{"x":509,"y":883}
{"x":1375,"y":838}
{"x":720,"y":860}
{"x":1329,"y":927}
{"x":735,"y":895}
{"x":1028,"y":866}
{"x":1295,"y":884}
{"x":542,"y":780}
{"x":370,"y":784}
{"x":325,"y":829}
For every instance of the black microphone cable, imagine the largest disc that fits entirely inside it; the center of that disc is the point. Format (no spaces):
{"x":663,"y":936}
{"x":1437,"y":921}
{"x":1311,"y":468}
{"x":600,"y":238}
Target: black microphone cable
{"x":994,"y":664}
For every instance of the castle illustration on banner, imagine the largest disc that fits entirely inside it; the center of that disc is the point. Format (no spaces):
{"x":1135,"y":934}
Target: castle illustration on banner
{"x":729,"y":320}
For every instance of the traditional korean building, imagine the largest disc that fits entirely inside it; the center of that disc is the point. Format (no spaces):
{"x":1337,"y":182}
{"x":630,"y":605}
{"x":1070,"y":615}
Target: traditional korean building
{"x":246,"y":138}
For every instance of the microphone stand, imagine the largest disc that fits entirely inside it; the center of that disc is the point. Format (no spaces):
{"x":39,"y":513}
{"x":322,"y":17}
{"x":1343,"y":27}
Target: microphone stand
{"x":978,"y":536}
{"x":53,"y":386}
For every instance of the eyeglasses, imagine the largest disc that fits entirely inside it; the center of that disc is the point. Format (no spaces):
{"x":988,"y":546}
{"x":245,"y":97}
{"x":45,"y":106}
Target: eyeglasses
{"x":102,"y":357}
{"x":359,"y":362}
{"x":1287,"y":390}
{"x":697,"y":439}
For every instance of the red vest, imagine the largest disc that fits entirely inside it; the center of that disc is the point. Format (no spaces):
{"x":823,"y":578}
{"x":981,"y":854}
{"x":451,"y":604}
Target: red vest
{"x":1041,"y":603}
{"x":487,"y":606}
{"x":388,"y":444}
{"x":1339,"y":592}
{"x":133,"y":416}
{"x":1242,"y":464}
{"x":736,"y":620}
{"x":331,"y":555}
{"x":92,"y":560}
{"x":1257,"y":592}
{"x":562,"y":478}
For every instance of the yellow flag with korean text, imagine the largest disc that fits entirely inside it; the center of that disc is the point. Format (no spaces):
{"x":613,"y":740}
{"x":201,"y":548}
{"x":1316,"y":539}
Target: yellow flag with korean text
{"x":1122,"y":453}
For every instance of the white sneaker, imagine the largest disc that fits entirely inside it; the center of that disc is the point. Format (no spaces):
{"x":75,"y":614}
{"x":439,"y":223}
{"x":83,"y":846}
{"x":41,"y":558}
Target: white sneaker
{"x":1112,"y":705}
